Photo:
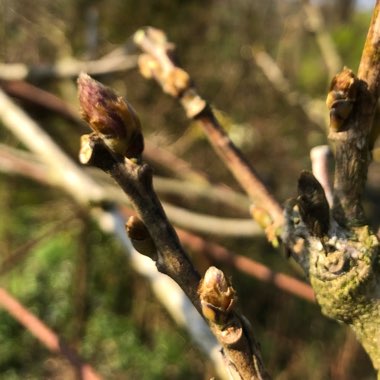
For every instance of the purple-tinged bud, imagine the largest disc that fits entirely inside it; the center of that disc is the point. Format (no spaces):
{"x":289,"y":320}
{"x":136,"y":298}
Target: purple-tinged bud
{"x":111,"y":117}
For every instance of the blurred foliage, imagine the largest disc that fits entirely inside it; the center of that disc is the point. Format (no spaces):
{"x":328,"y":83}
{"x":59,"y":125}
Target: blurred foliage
{"x":77,"y":279}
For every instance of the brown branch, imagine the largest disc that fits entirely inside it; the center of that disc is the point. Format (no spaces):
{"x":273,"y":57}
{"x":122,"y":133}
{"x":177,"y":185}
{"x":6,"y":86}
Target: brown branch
{"x":45,"y":335}
{"x":109,"y":149}
{"x":246,"y":265}
{"x":158,"y":62}
{"x":33,"y":94}
{"x":352,"y":101}
{"x":174,"y":300}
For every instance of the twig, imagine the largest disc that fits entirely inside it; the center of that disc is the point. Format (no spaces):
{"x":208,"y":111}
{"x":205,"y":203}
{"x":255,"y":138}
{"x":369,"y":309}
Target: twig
{"x":314,"y":109}
{"x":114,"y":148}
{"x":15,"y":161}
{"x":169,"y":161}
{"x":161,"y":157}
{"x":316,"y":24}
{"x":319,"y":156}
{"x":45,"y":148}
{"x":28,"y":92}
{"x":176,"y":302}
{"x":68,"y":68}
{"x":45,"y":335}
{"x":158,"y":62}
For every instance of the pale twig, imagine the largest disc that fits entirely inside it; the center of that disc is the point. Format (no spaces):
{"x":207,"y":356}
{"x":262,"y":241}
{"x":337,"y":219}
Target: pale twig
{"x":316,"y":24}
{"x":314,"y":109}
{"x":163,"y":158}
{"x":320,"y":156}
{"x":45,"y":335}
{"x":15,"y":161}
{"x":158,"y":62}
{"x":67,"y":68}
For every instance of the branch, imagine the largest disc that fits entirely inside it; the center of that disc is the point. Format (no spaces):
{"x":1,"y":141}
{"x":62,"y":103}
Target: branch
{"x":61,"y":174}
{"x":158,"y":62}
{"x":45,"y":335}
{"x":16,"y":161}
{"x":338,"y":250}
{"x":68,"y":68}
{"x":114,"y":148}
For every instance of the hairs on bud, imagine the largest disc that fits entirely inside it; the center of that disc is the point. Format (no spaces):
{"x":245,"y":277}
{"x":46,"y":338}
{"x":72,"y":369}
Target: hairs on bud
{"x":111,"y":117}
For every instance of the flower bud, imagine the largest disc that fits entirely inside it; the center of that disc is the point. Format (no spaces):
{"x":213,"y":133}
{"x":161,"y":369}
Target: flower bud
{"x":111,"y":117}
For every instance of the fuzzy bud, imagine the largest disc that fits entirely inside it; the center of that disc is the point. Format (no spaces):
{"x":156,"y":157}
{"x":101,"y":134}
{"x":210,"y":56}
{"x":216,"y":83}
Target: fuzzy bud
{"x":341,"y":97}
{"x":111,"y":117}
{"x":217,"y":296}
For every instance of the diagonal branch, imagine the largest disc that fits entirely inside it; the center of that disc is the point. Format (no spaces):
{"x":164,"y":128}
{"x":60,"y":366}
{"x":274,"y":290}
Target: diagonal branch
{"x":115,"y":148}
{"x":158,"y":62}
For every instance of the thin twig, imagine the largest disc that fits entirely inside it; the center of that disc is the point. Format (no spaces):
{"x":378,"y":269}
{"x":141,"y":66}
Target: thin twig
{"x":14,"y":161}
{"x":68,"y":68}
{"x":319,"y":156}
{"x":157,"y":62}
{"x":34,"y":137}
{"x":314,"y":109}
{"x":114,"y":148}
{"x":45,"y":335}
{"x":246,"y":265}
{"x":316,"y":24}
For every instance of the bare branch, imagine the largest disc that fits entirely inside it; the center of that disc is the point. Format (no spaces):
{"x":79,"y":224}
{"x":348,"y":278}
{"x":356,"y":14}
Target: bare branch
{"x":135,"y":178}
{"x":83,"y":192}
{"x":158,"y":62}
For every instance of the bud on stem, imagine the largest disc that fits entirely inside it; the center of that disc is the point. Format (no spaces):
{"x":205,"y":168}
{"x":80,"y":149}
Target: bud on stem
{"x":217,"y":296}
{"x":111,"y":117}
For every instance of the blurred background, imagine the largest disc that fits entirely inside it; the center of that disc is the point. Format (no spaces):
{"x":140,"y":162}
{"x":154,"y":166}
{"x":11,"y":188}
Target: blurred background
{"x":265,"y":66}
